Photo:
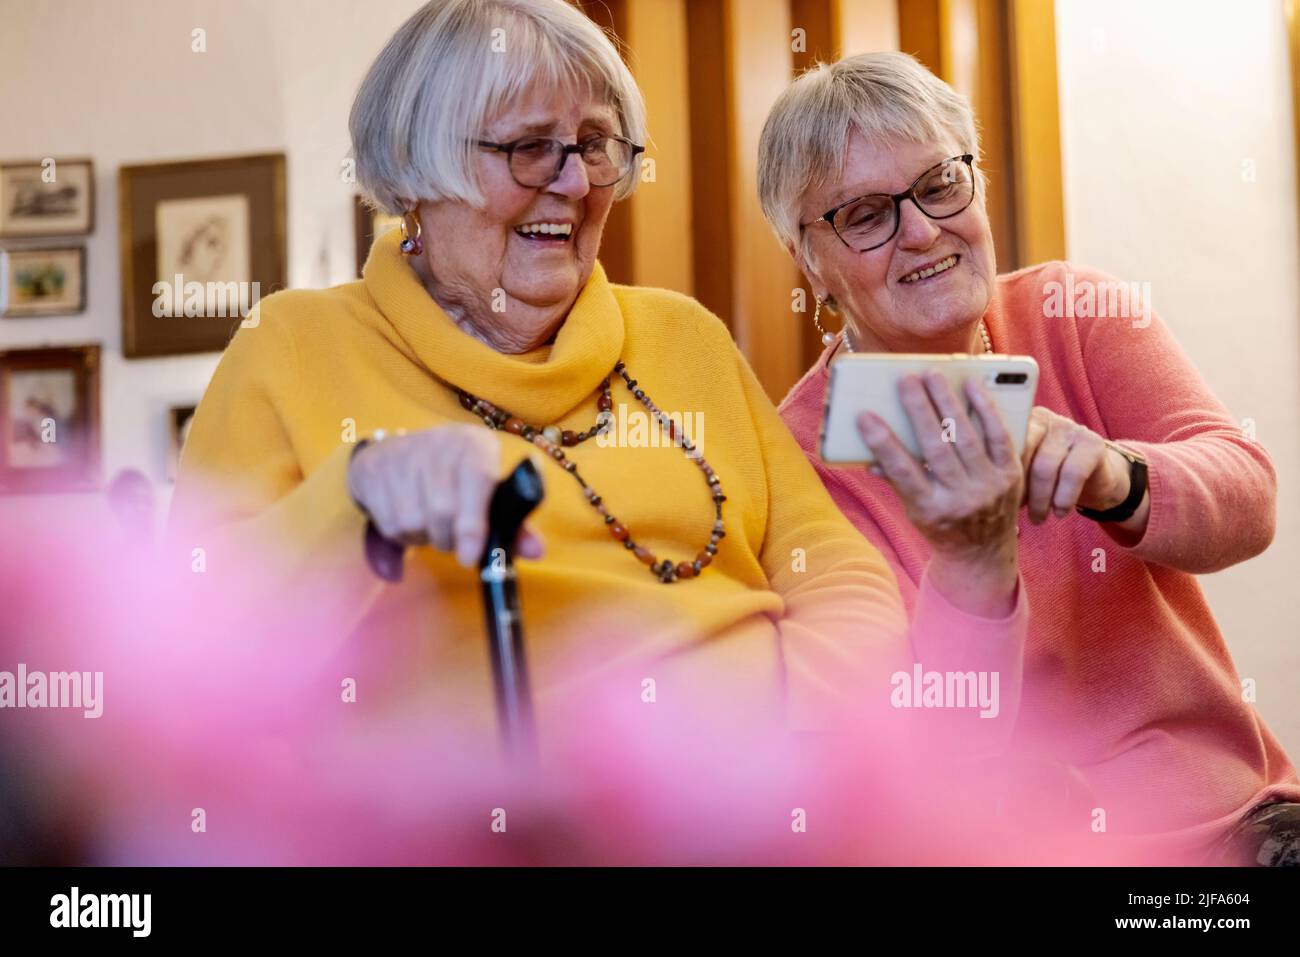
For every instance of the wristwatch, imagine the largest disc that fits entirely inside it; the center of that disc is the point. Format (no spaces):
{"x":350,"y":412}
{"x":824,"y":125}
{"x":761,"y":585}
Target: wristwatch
{"x":1137,"y":489}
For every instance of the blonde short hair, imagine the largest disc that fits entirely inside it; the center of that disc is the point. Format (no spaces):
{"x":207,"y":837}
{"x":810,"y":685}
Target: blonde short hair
{"x":450,"y":69}
{"x":886,"y":97}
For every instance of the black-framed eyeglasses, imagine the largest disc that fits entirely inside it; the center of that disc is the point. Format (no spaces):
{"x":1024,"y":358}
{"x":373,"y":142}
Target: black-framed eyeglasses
{"x":868,"y":222}
{"x":538,"y":161}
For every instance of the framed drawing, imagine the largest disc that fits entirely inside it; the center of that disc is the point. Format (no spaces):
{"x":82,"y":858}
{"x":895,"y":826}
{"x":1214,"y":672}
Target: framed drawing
{"x":42,"y":282}
{"x":202,"y":242}
{"x":368,"y":224}
{"x":49,"y":197}
{"x":49,"y":413}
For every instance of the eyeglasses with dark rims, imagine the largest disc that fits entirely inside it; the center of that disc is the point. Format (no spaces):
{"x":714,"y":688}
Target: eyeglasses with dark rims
{"x":868,"y":222}
{"x":537,"y":161}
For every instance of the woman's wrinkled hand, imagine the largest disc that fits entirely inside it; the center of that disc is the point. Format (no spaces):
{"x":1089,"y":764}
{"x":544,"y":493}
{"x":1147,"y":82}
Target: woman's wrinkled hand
{"x":433,"y":488}
{"x":1067,"y":464}
{"x":967,"y":501}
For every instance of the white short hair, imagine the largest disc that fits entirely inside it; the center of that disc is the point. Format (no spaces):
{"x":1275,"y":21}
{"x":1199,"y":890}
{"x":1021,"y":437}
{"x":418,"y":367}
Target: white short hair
{"x":450,"y":69}
{"x":886,"y":97}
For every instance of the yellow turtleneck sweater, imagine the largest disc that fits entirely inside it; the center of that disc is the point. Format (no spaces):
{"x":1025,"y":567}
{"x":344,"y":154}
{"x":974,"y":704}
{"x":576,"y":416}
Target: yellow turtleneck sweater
{"x":794,"y":605}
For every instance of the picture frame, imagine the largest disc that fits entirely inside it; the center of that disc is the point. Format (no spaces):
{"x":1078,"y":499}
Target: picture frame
{"x":202,"y":242}
{"x":50,"y":419}
{"x":369,"y":223}
{"x":47,"y":198}
{"x":47,"y":281}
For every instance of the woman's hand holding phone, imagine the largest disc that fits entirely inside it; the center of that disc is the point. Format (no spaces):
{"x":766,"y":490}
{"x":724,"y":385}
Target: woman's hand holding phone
{"x":965,"y":497}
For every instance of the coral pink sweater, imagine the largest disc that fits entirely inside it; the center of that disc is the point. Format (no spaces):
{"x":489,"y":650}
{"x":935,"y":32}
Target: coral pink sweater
{"x":1126,"y":674}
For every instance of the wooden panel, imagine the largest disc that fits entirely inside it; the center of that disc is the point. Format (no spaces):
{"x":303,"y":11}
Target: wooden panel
{"x":818,"y":20}
{"x":764,"y":278}
{"x":993,"y":111}
{"x":616,"y":245}
{"x":662,"y":244}
{"x":976,"y":62}
{"x":711,"y":155}
{"x":920,"y":32}
{"x":739,"y":59}
{"x":1036,"y":125}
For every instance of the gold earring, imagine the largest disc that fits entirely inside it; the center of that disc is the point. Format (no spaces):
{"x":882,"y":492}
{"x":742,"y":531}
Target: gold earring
{"x":411,"y":244}
{"x":827,"y":338}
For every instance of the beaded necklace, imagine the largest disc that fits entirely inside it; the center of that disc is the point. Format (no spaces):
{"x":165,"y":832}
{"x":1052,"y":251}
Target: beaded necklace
{"x":553,"y":440}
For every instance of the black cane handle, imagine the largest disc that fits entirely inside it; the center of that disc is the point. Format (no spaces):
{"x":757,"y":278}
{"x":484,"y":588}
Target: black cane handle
{"x":512,"y":502}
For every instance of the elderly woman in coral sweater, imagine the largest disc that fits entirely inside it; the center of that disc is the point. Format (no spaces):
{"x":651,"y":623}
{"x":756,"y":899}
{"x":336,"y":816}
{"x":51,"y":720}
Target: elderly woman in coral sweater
{"x":1135,"y":476}
{"x":487,"y":331}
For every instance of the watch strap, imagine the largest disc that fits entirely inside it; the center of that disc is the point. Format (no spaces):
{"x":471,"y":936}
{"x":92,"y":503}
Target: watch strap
{"x":1137,"y":490}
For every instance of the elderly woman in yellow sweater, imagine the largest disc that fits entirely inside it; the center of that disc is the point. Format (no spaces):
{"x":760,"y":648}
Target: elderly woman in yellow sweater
{"x":502,"y":131}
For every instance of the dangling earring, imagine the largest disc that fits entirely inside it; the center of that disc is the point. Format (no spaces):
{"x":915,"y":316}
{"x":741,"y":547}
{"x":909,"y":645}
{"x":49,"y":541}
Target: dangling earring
{"x":827,"y":338}
{"x":411,"y":245}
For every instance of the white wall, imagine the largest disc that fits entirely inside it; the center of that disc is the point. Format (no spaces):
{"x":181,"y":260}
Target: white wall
{"x":117,"y":81}
{"x":1177,"y":132}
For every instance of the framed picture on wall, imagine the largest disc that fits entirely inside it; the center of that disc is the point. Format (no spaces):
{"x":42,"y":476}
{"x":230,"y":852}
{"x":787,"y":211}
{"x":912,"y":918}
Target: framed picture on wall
{"x":50,"y":197}
{"x":202,"y":243}
{"x":42,"y":282}
{"x":49,"y":413}
{"x":370,"y":223}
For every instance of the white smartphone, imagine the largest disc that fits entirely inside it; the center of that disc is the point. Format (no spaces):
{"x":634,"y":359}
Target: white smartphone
{"x":868,"y":382}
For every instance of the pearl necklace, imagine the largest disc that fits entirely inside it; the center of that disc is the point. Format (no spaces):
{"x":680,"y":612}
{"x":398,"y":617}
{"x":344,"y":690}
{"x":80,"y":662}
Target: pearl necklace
{"x":984,"y":337}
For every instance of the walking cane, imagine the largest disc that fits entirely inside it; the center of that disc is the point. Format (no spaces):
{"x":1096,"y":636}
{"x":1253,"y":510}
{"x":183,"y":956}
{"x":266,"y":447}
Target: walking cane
{"x":512,"y":501}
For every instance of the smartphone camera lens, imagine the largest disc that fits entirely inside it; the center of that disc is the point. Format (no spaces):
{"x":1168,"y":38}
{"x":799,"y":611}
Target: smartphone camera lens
{"x":1011,"y":378}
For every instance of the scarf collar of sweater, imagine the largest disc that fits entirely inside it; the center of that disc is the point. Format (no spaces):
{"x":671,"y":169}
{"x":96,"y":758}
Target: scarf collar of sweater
{"x":540,"y":386}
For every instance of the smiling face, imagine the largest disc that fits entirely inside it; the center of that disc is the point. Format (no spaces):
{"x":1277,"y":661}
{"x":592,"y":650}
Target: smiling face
{"x":537,"y":246}
{"x":885,"y":294}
